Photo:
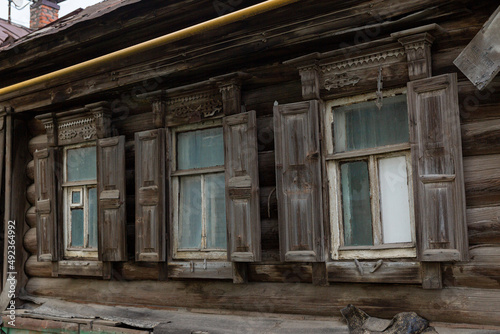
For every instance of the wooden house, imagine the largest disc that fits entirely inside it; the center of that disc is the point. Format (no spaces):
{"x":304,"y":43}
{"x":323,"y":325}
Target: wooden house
{"x":285,"y":156}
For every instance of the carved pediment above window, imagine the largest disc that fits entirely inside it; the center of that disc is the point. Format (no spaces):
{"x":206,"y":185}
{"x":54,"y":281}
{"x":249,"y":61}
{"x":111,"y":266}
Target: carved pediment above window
{"x":76,"y":126}
{"x":403,"y":57}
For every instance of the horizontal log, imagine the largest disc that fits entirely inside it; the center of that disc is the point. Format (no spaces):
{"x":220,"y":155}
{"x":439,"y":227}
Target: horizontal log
{"x":375,"y":272}
{"x":30,"y":241}
{"x":475,"y":306}
{"x":30,"y":170}
{"x":480,"y":138}
{"x":31,"y":194}
{"x":132,"y":271}
{"x":128,"y":125}
{"x":478,"y":105}
{"x":210,"y":270}
{"x":485,"y":254}
{"x":482,"y":180}
{"x":37,"y":143}
{"x":80,"y":268}
{"x":484,"y":275}
{"x":33,"y":268}
{"x":484,"y":225}
{"x":31,"y":216}
{"x":282,"y":273}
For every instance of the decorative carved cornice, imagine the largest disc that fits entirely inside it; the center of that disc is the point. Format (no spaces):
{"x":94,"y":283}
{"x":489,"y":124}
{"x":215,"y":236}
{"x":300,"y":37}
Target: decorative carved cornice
{"x":76,"y":126}
{"x":358,"y":62}
{"x":341,"y":80}
{"x":205,"y":104}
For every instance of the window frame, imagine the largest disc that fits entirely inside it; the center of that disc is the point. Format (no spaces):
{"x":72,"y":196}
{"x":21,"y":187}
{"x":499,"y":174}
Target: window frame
{"x":371,"y":155}
{"x":77,"y":253}
{"x":174,"y":178}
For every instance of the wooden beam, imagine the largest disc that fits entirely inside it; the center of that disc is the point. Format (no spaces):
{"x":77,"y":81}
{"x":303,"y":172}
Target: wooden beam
{"x":475,"y":306}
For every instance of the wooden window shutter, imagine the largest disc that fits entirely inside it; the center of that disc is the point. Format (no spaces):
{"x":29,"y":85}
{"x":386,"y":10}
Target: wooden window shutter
{"x":150,"y":208}
{"x":299,"y":187}
{"x":242,"y":187}
{"x":46,"y":204}
{"x":112,"y":198}
{"x":437,"y":169}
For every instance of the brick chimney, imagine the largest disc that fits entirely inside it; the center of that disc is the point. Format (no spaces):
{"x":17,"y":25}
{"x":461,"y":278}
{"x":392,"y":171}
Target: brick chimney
{"x":43,"y":12}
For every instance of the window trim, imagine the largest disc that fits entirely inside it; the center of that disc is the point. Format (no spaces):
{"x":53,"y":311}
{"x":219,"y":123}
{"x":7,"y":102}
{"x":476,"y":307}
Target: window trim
{"x":202,"y":254}
{"x":333,"y":160}
{"x":76,"y":253}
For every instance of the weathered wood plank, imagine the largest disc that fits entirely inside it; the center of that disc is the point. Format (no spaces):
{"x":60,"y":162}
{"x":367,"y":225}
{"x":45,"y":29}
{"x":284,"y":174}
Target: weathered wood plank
{"x":208,"y":270}
{"x":481,"y":138}
{"x":478,"y":306}
{"x":374,"y":272}
{"x":474,"y":275}
{"x":482,"y":180}
{"x":484,"y":225}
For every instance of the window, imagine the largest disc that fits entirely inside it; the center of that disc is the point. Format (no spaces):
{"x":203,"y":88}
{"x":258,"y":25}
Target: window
{"x":198,"y":180}
{"x":80,"y":201}
{"x":369,"y":168}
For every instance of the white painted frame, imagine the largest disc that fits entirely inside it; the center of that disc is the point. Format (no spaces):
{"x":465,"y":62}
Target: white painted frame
{"x":175,"y":175}
{"x":84,"y":187}
{"x":372,"y":155}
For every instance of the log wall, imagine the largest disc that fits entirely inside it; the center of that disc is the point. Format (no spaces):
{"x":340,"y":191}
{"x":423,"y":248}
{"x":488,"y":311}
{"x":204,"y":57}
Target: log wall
{"x":471,"y":289}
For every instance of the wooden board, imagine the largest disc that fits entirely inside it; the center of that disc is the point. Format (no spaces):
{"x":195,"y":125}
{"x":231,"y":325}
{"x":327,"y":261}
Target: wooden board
{"x":478,"y":306}
{"x":480,"y":60}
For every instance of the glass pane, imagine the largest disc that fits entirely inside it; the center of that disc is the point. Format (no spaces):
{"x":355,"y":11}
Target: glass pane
{"x":215,"y":202}
{"x":201,"y":148}
{"x":75,"y":197}
{"x":190,"y":212}
{"x":356,"y":204}
{"x":77,"y":227}
{"x":363,"y":125}
{"x":81,"y":164}
{"x":394,"y":202}
{"x":93,"y":218}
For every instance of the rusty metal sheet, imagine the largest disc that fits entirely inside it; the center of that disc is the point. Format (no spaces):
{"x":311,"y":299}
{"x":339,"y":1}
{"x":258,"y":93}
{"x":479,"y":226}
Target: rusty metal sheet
{"x":480,"y":60}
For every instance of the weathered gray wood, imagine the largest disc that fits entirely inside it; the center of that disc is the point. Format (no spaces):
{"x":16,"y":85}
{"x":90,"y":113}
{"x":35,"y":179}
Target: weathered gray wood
{"x":375,"y":272}
{"x":112,"y":194}
{"x":431,"y":275}
{"x":298,"y":173}
{"x":37,"y":143}
{"x":480,"y":306}
{"x":150,"y":192}
{"x":242,"y":188}
{"x":482,"y":180}
{"x":481,"y":138}
{"x":437,"y":169}
{"x":30,"y":170}
{"x":34,"y":268}
{"x":31,"y":216}
{"x":484,"y":225}
{"x":31,"y":194}
{"x":319,"y":273}
{"x":29,"y":241}
{"x":46,"y":204}
{"x":240,"y":272}
{"x":480,"y":60}
{"x":200,"y":269}
{"x":80,"y":268}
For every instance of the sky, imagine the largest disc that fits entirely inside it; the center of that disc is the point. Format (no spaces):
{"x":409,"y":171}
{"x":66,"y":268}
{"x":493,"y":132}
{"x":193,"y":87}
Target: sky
{"x":23,"y":16}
